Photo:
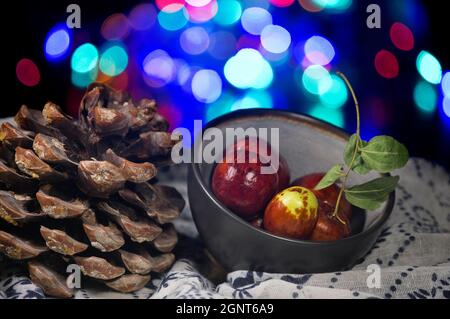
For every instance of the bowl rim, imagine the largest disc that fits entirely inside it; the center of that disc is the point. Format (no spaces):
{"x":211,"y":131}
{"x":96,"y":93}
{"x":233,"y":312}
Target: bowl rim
{"x":322,"y":125}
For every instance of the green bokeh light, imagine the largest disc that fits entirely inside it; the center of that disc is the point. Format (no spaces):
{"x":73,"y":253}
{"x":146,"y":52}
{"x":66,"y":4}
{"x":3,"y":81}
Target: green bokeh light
{"x":222,"y":106}
{"x":316,"y":79}
{"x":85,"y":58}
{"x":338,"y":5}
{"x":333,"y":116}
{"x":248,"y":69}
{"x":229,"y":12}
{"x":82,"y":80}
{"x":113,"y":61}
{"x":173,"y":20}
{"x":425,"y":97}
{"x":336,"y":96}
{"x":254,"y":99}
{"x":429,"y":67}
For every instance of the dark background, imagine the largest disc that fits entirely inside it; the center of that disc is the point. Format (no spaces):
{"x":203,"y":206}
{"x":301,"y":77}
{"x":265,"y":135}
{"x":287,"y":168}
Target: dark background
{"x":26,"y":23}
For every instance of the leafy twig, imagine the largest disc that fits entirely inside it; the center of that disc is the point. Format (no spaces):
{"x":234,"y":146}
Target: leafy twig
{"x":382,"y":154}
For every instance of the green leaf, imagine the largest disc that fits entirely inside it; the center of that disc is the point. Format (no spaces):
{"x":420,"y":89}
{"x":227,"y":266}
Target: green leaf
{"x":372,"y":194}
{"x":330,"y":177}
{"x":384,"y":154}
{"x":358,"y":164}
{"x":363,"y":203}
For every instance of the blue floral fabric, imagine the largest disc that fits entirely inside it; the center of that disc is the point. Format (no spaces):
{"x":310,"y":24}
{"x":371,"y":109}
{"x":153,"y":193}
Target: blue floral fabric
{"x":412,"y":254}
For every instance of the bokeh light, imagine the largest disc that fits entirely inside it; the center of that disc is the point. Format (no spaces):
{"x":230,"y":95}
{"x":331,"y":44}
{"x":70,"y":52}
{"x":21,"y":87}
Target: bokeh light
{"x":445,"y":84}
{"x":203,"y":13}
{"x":275,"y":39}
{"x":206,"y":86}
{"x":222,"y":106}
{"x":386,"y":64}
{"x":310,"y":5}
{"x":402,"y":36}
{"x":173,"y":18}
{"x":446,"y":105}
{"x":281,"y":3}
{"x":316,"y":79}
{"x":115,"y":27}
{"x":334,"y":5}
{"x":85,"y":58}
{"x":229,"y":12}
{"x":425,"y":97}
{"x":159,"y":68}
{"x":194,"y":40}
{"x":429,"y":67}
{"x":253,"y":99}
{"x":27,"y":72}
{"x":248,"y":41}
{"x":222,"y":44}
{"x":255,"y":19}
{"x":332,"y":116}
{"x":276,"y":59}
{"x":336,"y":95}
{"x":198,"y":3}
{"x":248,"y":69}
{"x":83,"y":79}
{"x":170,"y":5}
{"x":142,"y":17}
{"x":319,"y":50}
{"x":114,"y":60}
{"x":57,"y":43}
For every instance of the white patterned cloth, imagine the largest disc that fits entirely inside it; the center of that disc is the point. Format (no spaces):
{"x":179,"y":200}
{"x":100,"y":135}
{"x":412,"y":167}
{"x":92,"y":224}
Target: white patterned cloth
{"x":413,"y":253}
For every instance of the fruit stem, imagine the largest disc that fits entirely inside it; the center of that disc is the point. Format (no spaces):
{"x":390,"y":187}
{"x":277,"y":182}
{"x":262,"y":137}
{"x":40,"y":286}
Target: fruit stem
{"x":357,"y":146}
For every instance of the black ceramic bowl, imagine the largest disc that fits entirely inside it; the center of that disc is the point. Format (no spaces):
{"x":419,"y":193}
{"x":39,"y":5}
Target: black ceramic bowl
{"x":309,"y":146}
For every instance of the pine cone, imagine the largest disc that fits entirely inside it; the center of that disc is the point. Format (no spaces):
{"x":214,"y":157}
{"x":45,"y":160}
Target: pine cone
{"x":79,"y":192}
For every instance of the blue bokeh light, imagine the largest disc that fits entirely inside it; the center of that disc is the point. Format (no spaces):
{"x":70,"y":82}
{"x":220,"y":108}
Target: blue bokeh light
{"x":57,"y":43}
